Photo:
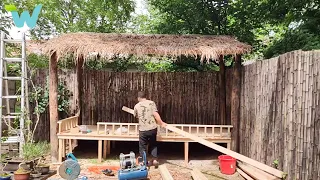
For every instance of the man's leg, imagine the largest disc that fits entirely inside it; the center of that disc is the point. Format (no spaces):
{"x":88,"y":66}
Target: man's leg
{"x":154,"y":147}
{"x":143,"y":142}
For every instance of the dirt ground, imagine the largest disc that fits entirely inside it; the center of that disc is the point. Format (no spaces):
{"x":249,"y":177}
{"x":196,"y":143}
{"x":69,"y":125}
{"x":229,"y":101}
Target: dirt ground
{"x":172,"y":155}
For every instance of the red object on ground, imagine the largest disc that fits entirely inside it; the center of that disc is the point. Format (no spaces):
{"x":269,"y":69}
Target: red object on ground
{"x":98,"y":169}
{"x":227,"y":164}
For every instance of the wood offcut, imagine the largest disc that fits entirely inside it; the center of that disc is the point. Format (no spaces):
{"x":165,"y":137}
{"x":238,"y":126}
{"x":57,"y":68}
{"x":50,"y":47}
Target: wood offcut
{"x":197,"y":175}
{"x":165,"y":173}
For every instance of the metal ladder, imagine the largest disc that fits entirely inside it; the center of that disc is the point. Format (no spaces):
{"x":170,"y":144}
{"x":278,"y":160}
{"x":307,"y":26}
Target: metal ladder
{"x":4,"y":78}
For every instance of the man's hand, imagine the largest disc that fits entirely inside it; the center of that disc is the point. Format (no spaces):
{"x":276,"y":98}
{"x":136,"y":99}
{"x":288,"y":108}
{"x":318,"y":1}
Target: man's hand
{"x":163,"y":124}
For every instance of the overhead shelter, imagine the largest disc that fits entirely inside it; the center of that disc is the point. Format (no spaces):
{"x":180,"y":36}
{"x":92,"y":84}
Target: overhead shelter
{"x":84,"y":46}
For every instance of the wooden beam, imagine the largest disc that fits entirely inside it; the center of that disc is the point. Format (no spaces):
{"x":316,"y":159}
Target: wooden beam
{"x":235,"y":104}
{"x":226,"y":151}
{"x":256,"y":173}
{"x":222,"y":93}
{"x":197,"y":175}
{"x":53,"y":106}
{"x":165,"y":173}
{"x":243,"y":174}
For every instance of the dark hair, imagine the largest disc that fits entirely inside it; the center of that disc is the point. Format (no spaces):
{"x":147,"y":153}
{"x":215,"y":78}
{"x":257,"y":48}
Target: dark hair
{"x":141,"y":94}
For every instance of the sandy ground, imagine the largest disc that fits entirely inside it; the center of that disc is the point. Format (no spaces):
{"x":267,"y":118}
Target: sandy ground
{"x":172,"y":154}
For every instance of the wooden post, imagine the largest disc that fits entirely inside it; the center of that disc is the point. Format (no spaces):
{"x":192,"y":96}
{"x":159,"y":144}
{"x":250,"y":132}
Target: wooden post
{"x":235,"y":103}
{"x":108,"y":147}
{"x":53,"y":106}
{"x":105,"y":149}
{"x":99,"y":151}
{"x":70,"y":146}
{"x":186,"y":152}
{"x":79,"y":89}
{"x":222,"y":93}
{"x":60,"y":151}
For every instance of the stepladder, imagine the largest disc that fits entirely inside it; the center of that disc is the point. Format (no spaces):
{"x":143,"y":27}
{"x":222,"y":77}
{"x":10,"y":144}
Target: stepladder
{"x":14,"y":103}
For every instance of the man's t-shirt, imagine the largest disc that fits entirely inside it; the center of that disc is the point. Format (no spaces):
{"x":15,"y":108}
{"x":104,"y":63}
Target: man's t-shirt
{"x":144,"y":112}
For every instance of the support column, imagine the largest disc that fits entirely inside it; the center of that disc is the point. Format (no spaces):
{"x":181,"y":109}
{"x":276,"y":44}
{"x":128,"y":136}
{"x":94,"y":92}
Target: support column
{"x":186,"y":153}
{"x":222,"y":93}
{"x":53,"y":106}
{"x":105,"y":149}
{"x":99,"y":151}
{"x":78,"y":93}
{"x":60,"y":151}
{"x":235,"y":103}
{"x":108,"y":147}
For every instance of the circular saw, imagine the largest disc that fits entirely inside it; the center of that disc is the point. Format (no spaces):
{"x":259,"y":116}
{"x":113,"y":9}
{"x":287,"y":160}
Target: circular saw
{"x":70,"y":168}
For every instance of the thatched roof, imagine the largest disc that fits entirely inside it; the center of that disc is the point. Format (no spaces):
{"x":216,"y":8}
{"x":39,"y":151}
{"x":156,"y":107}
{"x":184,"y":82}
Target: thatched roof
{"x":86,"y":44}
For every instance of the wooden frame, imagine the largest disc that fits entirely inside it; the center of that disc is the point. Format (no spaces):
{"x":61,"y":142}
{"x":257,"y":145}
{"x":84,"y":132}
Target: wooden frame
{"x":105,"y":132}
{"x":64,"y":125}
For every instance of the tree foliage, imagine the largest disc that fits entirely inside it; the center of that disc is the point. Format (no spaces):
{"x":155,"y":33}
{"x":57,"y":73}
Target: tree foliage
{"x":61,"y":16}
{"x":264,"y":24}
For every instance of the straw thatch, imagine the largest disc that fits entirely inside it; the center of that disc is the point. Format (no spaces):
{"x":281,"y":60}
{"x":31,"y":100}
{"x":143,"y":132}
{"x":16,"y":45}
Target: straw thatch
{"x":108,"y":45}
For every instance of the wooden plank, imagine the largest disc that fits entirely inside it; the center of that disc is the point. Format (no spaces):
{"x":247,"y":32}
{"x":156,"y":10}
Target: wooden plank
{"x":255,"y":173}
{"x":124,"y":108}
{"x":226,"y":151}
{"x":243,"y":174}
{"x":165,"y":173}
{"x":197,"y":175}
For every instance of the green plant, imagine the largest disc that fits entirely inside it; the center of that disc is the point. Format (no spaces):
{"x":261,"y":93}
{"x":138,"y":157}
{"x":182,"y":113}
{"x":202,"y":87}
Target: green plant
{"x":276,"y":163}
{"x":35,"y":150}
{"x":41,"y":95}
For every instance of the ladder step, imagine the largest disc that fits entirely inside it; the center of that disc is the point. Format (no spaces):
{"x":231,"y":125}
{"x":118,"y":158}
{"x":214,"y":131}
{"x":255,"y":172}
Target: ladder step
{"x":12,"y":78}
{"x":13,"y":40}
{"x":10,"y":117}
{"x":13,"y":59}
{"x":11,"y":97}
{"x":15,"y":113}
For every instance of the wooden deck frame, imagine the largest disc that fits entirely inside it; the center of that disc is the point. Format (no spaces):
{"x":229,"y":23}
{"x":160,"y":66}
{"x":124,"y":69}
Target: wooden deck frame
{"x":105,"y":132}
{"x":68,"y":124}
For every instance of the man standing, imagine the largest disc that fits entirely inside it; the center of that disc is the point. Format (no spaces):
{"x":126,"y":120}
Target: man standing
{"x":146,"y":112}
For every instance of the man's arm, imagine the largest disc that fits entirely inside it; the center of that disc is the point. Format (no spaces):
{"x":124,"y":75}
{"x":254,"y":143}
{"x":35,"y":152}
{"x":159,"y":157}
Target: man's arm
{"x":158,"y":119}
{"x":135,"y":112}
{"x":157,"y":115}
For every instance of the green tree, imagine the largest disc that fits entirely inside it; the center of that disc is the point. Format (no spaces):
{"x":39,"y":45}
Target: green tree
{"x":61,"y":16}
{"x":5,"y":20}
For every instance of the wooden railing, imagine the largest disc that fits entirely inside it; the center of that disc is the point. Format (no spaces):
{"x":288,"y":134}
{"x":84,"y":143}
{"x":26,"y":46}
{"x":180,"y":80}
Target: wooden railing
{"x":68,"y":123}
{"x":132,"y":129}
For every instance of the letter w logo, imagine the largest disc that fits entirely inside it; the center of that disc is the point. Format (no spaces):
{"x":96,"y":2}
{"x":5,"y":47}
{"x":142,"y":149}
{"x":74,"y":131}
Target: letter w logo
{"x":25,"y":16}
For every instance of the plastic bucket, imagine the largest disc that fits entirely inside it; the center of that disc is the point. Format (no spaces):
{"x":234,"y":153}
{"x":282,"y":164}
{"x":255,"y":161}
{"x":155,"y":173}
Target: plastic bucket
{"x":227,"y":164}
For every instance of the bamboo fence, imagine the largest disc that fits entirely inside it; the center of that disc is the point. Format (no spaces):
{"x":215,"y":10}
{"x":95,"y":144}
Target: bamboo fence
{"x":280,"y":113}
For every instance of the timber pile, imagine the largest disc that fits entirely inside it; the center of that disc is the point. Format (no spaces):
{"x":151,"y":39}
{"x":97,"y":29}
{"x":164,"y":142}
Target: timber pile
{"x":265,"y":172}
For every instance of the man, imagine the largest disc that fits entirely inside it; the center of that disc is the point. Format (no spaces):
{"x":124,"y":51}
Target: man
{"x":146,"y":112}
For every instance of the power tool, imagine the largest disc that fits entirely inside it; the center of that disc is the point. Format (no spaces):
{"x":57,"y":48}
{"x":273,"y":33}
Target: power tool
{"x":130,"y":169}
{"x":70,"y":168}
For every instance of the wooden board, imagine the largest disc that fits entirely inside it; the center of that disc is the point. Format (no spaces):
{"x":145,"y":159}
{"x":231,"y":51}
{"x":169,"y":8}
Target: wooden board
{"x":197,"y":175}
{"x":226,"y":151}
{"x":131,"y":111}
{"x":243,"y":174}
{"x":255,"y":173}
{"x":165,"y":173}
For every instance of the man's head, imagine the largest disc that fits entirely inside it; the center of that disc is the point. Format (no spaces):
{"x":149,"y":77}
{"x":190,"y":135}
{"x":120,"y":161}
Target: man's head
{"x":141,"y":96}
